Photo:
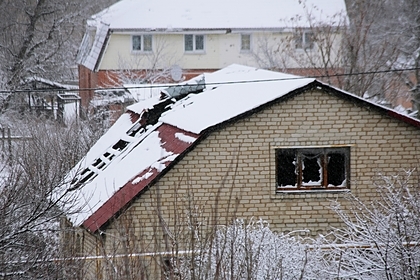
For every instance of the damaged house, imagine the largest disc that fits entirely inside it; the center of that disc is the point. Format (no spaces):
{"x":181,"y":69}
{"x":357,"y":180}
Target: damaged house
{"x":240,"y":142}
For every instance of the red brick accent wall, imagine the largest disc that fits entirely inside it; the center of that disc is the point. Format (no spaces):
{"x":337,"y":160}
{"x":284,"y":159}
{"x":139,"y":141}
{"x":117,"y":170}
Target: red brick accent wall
{"x":87,"y":80}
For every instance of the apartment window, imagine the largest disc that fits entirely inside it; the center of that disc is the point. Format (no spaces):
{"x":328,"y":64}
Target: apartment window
{"x":312,"y":168}
{"x":142,"y":43}
{"x":194,"y":43}
{"x":304,"y":40}
{"x":245,"y":42}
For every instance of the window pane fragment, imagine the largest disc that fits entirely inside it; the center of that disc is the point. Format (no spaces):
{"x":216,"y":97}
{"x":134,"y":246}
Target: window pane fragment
{"x":136,"y":40}
{"x":245,"y":42}
{"x":189,"y":42}
{"x":147,"y":43}
{"x":199,"y":42}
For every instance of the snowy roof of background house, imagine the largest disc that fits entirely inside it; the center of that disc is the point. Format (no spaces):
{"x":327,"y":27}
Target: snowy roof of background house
{"x":204,"y":14}
{"x":126,"y":172}
{"x":92,"y":44}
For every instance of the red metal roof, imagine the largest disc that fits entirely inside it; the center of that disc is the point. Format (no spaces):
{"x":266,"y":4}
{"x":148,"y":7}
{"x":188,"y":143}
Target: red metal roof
{"x":130,"y":190}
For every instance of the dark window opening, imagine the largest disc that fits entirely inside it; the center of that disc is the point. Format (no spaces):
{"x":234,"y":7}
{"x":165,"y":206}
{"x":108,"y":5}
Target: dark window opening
{"x":336,"y":168}
{"x":101,"y":165}
{"x":109,"y":156}
{"x":87,"y":176}
{"x":312,"y":168}
{"x":121,"y":144}
{"x":84,"y":171}
{"x":97,"y":162}
{"x":286,"y":169}
{"x":136,"y":128}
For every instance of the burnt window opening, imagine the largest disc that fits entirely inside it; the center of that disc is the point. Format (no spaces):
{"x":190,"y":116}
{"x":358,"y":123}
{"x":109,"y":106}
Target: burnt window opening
{"x":312,"y":168}
{"x":120,"y":145}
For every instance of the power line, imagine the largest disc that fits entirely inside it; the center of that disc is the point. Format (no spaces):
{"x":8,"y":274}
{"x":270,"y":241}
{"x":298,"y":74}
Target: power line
{"x":151,"y":86}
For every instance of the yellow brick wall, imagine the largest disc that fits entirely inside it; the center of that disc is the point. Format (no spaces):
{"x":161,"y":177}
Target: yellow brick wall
{"x":231,"y":173}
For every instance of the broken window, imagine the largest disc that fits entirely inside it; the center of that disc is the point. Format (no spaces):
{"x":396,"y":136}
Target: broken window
{"x":312,"y":168}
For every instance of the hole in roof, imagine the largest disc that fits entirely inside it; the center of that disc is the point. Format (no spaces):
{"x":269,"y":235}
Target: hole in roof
{"x":121,"y":144}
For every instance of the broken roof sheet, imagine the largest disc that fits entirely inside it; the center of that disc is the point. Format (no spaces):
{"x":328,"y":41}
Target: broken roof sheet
{"x":217,"y":14}
{"x":132,"y":154}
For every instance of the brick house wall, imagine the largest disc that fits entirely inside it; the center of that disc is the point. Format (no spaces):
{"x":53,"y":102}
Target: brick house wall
{"x":231,"y":173}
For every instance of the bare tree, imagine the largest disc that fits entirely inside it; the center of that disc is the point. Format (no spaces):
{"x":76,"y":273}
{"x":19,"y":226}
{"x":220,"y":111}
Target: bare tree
{"x":32,"y":198}
{"x":365,"y":53}
{"x":151,"y":68}
{"x":40,"y":38}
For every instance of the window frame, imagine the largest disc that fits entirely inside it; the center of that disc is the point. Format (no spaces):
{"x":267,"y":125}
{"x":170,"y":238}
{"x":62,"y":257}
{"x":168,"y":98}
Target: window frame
{"x":194,"y":43}
{"x":299,"y":155}
{"x":249,"y":42}
{"x":142,"y":43}
{"x":301,"y":38}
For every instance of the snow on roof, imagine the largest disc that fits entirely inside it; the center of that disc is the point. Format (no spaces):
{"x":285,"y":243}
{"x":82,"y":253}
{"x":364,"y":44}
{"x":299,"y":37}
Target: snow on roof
{"x":92,"y":44}
{"x":198,"y":112}
{"x":133,"y":152}
{"x":52,"y":83}
{"x":216,"y":14}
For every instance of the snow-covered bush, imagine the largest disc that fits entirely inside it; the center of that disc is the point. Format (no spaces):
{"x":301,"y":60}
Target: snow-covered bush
{"x":251,"y":251}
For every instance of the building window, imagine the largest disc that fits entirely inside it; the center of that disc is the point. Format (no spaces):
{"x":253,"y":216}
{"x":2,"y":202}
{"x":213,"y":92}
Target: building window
{"x":245,"y":42}
{"x":194,"y":43}
{"x":312,"y":168}
{"x":304,"y":40}
{"x":142,"y":43}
